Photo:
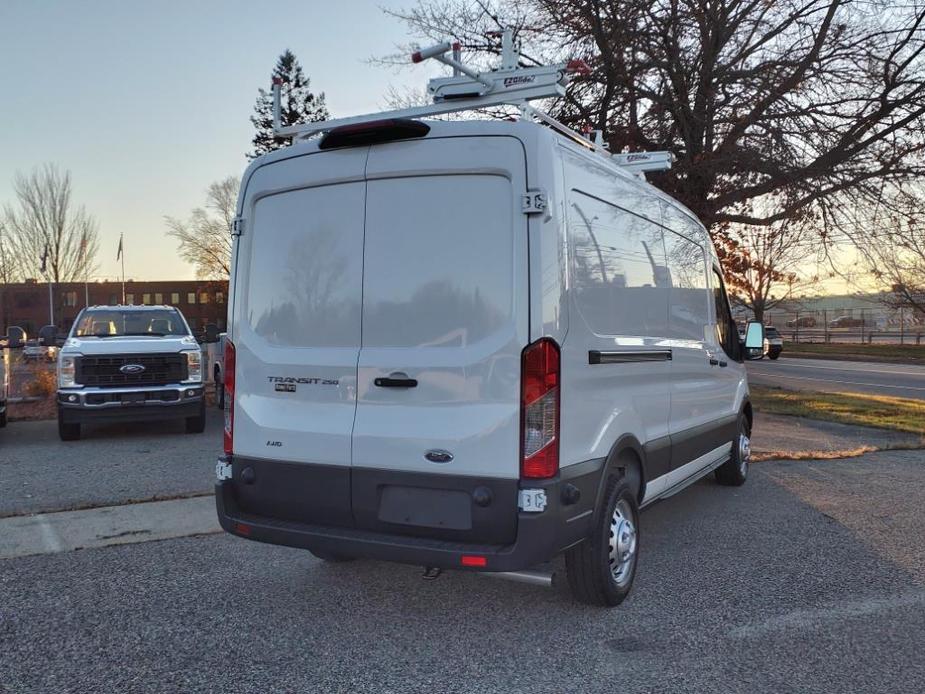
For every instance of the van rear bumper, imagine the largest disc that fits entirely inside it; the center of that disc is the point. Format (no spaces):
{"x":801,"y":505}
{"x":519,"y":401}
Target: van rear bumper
{"x":566,"y":520}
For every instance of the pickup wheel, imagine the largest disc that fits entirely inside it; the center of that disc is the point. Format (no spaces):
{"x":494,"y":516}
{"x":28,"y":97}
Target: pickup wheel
{"x":197,"y":424}
{"x":601,"y":569}
{"x":734,"y":472}
{"x":68,"y":431}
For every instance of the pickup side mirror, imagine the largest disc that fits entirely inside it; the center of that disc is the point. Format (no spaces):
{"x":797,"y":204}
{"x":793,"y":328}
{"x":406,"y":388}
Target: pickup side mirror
{"x":754,"y":340}
{"x":211,"y":333}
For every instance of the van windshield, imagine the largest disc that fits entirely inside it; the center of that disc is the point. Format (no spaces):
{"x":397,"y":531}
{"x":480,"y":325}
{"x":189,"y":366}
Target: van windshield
{"x":117,"y":323}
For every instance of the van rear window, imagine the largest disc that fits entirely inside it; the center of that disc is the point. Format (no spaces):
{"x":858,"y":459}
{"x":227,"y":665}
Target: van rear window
{"x":305,"y":273}
{"x":439,"y":260}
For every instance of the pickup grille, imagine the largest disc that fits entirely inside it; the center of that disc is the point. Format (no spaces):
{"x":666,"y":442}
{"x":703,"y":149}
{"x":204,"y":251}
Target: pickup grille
{"x":160,"y":369}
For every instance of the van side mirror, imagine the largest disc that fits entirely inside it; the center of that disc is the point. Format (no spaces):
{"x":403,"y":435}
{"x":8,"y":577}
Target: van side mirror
{"x":754,"y":340}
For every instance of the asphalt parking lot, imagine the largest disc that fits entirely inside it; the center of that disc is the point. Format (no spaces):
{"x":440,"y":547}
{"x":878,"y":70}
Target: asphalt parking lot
{"x":111,"y":464}
{"x":810,"y":578}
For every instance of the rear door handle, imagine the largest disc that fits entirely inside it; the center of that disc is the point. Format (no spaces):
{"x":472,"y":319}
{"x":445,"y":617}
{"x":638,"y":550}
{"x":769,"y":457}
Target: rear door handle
{"x":396,"y":382}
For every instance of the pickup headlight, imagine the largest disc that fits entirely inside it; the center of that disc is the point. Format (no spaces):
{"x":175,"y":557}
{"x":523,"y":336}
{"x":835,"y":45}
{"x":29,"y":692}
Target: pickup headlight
{"x":194,"y":367}
{"x":66,"y":372}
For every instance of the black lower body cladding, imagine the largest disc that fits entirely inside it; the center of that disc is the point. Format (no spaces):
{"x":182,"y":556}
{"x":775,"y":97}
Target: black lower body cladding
{"x":416,"y":518}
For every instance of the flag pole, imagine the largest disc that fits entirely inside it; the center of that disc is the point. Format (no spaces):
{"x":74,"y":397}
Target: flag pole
{"x":122,"y":256}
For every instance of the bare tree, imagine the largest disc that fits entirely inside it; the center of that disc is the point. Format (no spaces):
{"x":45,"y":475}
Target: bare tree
{"x":818,"y":103}
{"x":770,"y":264}
{"x":46,"y":229}
{"x":205,"y":238}
{"x":891,"y":241}
{"x":9,"y":263}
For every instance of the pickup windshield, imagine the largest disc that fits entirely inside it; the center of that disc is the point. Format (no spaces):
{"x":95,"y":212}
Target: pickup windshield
{"x":118,"y":323}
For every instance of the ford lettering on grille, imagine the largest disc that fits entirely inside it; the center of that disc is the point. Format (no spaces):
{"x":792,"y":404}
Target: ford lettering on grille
{"x":131,"y":369}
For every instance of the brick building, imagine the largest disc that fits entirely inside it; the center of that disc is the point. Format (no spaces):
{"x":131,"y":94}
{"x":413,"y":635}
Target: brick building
{"x":26,"y":304}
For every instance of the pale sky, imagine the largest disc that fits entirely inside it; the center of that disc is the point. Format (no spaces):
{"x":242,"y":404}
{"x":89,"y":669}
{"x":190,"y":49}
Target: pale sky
{"x":146,"y":103}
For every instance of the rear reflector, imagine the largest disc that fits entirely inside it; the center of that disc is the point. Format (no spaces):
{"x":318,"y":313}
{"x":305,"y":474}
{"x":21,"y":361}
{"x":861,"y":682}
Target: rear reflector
{"x":471,"y":560}
{"x":228,"y":373}
{"x":242,"y":529}
{"x":539,"y":410}
{"x":373,"y":132}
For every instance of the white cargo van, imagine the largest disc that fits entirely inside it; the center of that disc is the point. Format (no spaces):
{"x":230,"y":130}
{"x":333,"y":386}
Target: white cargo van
{"x":471,"y":345}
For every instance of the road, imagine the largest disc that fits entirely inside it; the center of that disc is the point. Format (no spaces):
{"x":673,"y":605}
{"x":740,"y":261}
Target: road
{"x":901,"y":380}
{"x":791,"y":583}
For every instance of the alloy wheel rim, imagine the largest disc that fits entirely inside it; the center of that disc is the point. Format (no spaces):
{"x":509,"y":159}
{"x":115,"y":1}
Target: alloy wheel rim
{"x":745,"y":452}
{"x":623,"y":543}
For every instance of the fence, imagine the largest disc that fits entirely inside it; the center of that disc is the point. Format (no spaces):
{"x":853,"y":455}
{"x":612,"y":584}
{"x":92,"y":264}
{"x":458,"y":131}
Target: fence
{"x":850,"y":325}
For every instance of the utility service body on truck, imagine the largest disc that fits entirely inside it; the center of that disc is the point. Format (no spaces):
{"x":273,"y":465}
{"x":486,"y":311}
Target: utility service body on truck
{"x":471,"y":345}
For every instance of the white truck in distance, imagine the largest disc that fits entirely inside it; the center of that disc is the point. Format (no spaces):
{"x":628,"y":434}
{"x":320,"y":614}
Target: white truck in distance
{"x":129,"y":363}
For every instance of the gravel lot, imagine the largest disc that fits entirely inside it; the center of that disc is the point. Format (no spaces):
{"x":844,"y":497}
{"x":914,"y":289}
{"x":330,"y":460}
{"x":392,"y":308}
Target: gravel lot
{"x":111,"y":464}
{"x":740,"y":590}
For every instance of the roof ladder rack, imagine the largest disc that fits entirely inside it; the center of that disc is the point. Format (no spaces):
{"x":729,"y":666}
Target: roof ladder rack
{"x":466,"y":89}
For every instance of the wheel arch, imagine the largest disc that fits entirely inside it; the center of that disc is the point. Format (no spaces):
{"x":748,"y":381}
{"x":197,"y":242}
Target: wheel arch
{"x":627,"y":456}
{"x":747,"y":411}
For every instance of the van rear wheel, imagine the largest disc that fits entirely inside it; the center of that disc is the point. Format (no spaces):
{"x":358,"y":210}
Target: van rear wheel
{"x":734,"y":472}
{"x":601,"y":569}
{"x":330,"y":556}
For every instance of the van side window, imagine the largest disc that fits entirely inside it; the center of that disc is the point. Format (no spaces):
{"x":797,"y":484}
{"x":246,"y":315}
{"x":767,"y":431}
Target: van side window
{"x":618,"y":263}
{"x":726,"y":333}
{"x":689,"y":299}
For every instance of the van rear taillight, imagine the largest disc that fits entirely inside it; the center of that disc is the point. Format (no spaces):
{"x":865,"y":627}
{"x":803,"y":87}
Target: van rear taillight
{"x":229,"y":396}
{"x":539,"y":410}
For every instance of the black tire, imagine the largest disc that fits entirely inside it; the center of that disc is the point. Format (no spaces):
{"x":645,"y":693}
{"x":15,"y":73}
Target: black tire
{"x":2,"y":419}
{"x":332,"y":557}
{"x":589,"y":566}
{"x":734,"y":471}
{"x":774,"y":355}
{"x":197,"y":424}
{"x":68,"y":431}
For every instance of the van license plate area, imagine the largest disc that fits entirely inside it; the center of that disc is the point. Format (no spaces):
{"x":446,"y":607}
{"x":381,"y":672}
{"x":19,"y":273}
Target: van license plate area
{"x":532,"y":500}
{"x":427,"y":508}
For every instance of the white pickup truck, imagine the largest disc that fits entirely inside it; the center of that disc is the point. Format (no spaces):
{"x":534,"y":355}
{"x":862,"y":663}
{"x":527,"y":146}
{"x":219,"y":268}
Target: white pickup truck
{"x":129,"y":363}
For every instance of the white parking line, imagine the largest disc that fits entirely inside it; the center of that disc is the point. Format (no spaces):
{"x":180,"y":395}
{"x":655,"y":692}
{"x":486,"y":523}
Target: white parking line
{"x":52,"y":543}
{"x":785,"y":377}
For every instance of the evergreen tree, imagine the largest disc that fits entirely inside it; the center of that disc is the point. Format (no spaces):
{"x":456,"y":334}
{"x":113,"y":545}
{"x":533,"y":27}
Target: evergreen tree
{"x":297,"y":105}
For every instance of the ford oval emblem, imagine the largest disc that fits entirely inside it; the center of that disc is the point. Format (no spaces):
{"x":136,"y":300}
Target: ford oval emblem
{"x":439,"y":456}
{"x":131,"y":369}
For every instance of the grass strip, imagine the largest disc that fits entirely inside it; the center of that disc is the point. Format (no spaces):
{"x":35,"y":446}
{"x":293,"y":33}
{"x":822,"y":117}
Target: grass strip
{"x":892,"y":354}
{"x":882,"y":411}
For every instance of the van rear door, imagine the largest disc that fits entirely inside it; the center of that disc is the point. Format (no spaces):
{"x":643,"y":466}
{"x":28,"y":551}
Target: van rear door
{"x":297,"y":334}
{"x":445,"y":318}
